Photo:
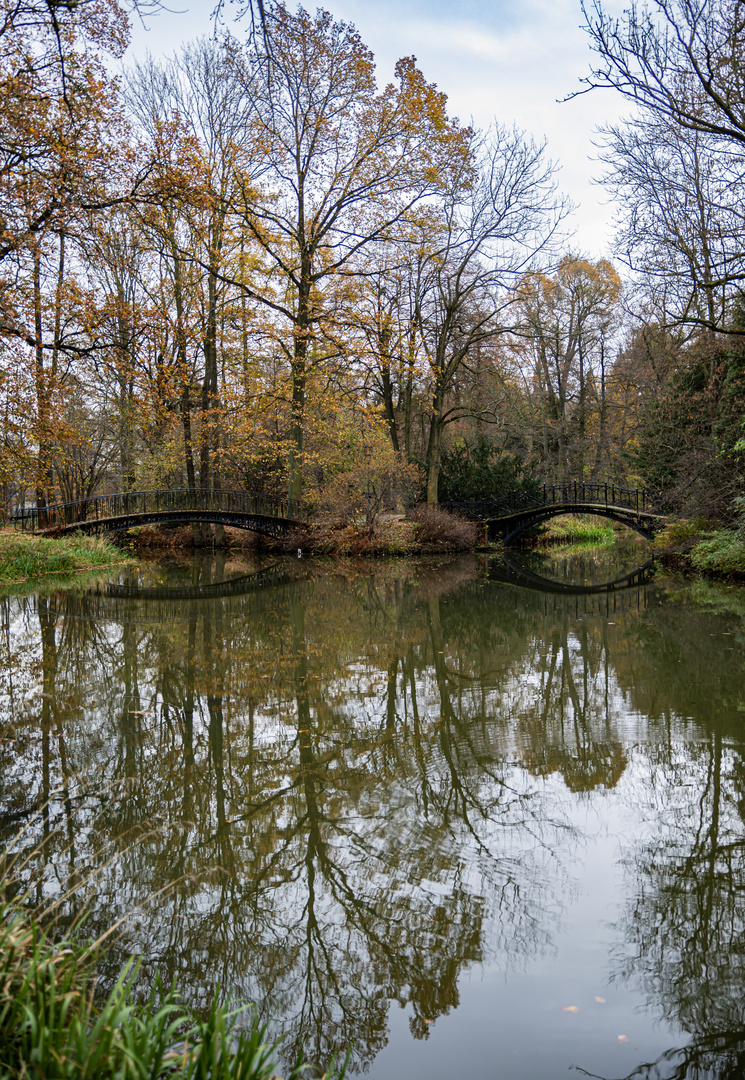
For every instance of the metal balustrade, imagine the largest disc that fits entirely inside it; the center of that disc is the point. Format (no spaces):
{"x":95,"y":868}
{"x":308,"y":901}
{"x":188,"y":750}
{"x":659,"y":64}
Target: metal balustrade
{"x":574,"y":493}
{"x":166,"y":501}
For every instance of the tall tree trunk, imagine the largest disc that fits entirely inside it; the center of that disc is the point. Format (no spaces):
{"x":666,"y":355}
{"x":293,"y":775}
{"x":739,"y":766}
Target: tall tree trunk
{"x":581,"y":453}
{"x":390,"y":415}
{"x":182,"y":358}
{"x":43,"y":471}
{"x":409,"y":388}
{"x":299,"y":380}
{"x":602,"y":435}
{"x":434,"y":448}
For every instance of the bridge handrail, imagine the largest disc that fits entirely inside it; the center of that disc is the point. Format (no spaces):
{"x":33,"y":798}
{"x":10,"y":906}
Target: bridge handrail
{"x":125,"y":503}
{"x":574,"y":493}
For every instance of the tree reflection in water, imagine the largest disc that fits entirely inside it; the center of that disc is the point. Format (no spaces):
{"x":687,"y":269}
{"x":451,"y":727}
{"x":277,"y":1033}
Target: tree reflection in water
{"x":343,"y":780}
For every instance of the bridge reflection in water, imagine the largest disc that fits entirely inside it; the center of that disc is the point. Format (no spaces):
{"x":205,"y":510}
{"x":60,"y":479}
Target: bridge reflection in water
{"x":128,"y":602}
{"x":508,"y":570}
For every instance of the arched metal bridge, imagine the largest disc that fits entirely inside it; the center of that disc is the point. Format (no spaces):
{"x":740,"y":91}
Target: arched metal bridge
{"x":116,"y":513}
{"x":508,"y":517}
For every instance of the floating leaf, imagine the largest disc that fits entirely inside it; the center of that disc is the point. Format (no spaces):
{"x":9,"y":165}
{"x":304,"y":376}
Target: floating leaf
{"x":569,"y":1008}
{"x":600,"y":1001}
{"x":623,"y":1038}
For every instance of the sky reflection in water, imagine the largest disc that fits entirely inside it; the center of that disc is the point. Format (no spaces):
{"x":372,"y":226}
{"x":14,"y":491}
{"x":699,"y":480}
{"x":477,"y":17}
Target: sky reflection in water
{"x":467,"y":828}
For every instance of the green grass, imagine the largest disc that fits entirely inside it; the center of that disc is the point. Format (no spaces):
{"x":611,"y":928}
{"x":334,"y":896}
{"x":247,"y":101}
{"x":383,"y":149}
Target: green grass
{"x":577,"y":530}
{"x":58,"y":1023}
{"x":24,"y":557}
{"x":54,"y":1027}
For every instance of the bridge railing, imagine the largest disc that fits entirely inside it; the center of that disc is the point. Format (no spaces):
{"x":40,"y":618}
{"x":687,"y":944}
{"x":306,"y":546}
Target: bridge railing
{"x":135,"y":503}
{"x":574,"y":493}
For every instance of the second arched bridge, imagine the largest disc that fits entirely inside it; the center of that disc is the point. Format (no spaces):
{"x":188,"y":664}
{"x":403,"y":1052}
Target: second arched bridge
{"x":506,"y":518}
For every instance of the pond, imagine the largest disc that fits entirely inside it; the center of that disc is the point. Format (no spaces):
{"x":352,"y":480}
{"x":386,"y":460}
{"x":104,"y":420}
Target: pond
{"x":464,"y":826}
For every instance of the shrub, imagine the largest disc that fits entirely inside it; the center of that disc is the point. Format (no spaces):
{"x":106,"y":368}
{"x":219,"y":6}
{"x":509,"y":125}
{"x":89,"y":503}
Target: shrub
{"x":478,"y":470}
{"x":363,"y":491}
{"x":681,"y":536}
{"x":722,"y":553}
{"x":438,"y":528}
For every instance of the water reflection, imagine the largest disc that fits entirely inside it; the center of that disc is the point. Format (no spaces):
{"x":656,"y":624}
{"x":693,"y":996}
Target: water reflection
{"x":357,"y":785}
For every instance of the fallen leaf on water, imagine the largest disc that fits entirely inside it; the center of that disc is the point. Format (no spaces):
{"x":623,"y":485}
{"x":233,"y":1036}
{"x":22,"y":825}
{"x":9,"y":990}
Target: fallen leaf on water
{"x":569,"y":1008}
{"x":426,"y":1021}
{"x":600,"y":1001}
{"x":623,"y":1038}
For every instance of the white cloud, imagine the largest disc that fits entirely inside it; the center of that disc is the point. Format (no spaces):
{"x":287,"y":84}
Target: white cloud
{"x":497,"y":58}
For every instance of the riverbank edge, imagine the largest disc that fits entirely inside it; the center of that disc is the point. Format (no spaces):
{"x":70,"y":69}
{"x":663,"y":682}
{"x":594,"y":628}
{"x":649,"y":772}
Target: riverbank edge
{"x":25,"y":557}
{"x":430,"y":531}
{"x":698,"y":548}
{"x":693,"y":547}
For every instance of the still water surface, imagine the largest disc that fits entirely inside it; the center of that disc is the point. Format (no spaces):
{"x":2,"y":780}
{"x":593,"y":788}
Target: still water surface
{"x":468,"y":828}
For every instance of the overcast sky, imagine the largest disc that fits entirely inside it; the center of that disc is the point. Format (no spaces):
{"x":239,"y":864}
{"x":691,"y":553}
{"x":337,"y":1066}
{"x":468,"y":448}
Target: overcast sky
{"x":493,"y":58}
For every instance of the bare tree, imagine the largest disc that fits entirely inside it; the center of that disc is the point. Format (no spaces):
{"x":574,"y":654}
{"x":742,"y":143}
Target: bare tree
{"x":490,"y":230}
{"x":677,"y":164}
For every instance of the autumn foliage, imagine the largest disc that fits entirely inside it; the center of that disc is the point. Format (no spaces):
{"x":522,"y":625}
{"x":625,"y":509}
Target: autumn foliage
{"x":254,"y":265}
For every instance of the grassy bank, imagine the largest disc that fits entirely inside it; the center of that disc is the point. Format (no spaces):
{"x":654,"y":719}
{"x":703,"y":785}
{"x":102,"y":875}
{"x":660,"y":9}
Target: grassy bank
{"x":24,"y":557}
{"x":573,"y":529}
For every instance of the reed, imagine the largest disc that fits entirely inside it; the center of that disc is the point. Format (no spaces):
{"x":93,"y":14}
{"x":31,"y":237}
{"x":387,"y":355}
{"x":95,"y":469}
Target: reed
{"x":56,"y":1025}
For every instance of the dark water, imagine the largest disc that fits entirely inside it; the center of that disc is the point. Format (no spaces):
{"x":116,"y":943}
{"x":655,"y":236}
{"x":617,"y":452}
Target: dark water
{"x":467,"y":828}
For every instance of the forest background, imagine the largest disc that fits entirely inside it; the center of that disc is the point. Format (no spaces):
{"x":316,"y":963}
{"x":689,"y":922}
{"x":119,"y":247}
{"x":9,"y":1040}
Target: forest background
{"x":253,"y":267}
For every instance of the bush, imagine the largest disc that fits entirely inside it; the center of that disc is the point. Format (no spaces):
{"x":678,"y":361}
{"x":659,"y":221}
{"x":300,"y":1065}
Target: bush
{"x":681,"y":536}
{"x":364,"y":491}
{"x":441,"y":529}
{"x":478,"y":470}
{"x":722,"y":553}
